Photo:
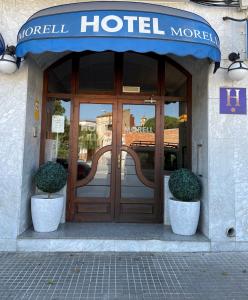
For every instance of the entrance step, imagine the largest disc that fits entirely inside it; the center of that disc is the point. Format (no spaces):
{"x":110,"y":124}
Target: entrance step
{"x":118,"y":237}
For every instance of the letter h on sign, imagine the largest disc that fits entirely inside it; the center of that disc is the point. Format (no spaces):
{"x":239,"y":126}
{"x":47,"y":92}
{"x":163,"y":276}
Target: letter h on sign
{"x":233,"y":101}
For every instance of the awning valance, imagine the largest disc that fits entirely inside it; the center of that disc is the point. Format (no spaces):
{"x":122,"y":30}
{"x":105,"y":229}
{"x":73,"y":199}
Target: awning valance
{"x":2,"y":44}
{"x":118,"y":26}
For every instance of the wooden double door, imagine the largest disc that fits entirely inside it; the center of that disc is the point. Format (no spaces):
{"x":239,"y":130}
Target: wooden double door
{"x":116,"y":160}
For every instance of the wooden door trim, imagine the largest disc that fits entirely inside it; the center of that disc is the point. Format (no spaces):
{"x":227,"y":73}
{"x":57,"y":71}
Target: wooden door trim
{"x":159,"y":131}
{"x":73,"y":158}
{"x":137,"y":200}
{"x":118,"y":152}
{"x":96,"y":99}
{"x":98,"y":200}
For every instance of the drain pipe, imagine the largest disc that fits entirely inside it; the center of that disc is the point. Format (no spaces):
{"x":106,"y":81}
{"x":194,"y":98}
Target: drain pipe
{"x":230,"y":232}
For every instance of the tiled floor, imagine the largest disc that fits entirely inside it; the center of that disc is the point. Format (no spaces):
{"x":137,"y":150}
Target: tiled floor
{"x":124,"y":276}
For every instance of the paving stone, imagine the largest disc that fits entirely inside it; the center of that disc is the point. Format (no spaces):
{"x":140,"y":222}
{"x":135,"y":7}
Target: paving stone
{"x":124,"y":276}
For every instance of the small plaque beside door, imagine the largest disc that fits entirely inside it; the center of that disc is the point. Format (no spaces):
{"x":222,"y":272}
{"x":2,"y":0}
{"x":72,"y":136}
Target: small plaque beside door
{"x":130,"y":89}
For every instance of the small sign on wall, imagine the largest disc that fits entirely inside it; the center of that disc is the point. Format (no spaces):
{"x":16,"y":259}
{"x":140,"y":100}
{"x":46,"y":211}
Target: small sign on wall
{"x":233,"y":101}
{"x":36,"y":109}
{"x":58,"y":124}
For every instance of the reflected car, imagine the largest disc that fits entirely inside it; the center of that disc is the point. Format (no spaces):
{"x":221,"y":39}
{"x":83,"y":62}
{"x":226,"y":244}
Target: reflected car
{"x":83,"y":169}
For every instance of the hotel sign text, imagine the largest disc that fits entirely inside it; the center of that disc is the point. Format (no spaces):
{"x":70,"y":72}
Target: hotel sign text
{"x":118,"y":24}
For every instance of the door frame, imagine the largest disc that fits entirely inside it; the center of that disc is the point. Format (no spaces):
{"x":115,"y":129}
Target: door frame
{"x":73,"y":95}
{"x":116,"y":147}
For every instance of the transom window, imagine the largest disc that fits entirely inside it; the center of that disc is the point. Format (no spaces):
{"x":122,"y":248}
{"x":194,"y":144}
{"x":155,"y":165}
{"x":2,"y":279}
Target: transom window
{"x":116,"y":73}
{"x":97,"y":72}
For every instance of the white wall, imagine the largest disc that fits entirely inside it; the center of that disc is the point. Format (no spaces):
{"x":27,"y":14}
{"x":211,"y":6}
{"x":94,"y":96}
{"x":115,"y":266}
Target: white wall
{"x":200,"y":136}
{"x":31,"y":143}
{"x":199,"y":69}
{"x":19,"y":151}
{"x":228,"y":173}
{"x":13,"y":97}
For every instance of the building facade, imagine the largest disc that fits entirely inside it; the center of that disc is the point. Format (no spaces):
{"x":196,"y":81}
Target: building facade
{"x":130,"y":118}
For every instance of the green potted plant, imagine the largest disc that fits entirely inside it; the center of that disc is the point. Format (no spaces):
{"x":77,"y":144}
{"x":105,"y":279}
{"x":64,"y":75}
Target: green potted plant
{"x":47,"y":209}
{"x":184,"y":208}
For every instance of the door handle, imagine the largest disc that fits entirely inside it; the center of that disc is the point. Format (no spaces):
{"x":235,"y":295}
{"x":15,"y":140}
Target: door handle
{"x":119,"y":161}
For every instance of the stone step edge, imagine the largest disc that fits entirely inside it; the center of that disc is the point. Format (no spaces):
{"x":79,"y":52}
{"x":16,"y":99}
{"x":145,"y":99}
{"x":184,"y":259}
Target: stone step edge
{"x":108,"y":245}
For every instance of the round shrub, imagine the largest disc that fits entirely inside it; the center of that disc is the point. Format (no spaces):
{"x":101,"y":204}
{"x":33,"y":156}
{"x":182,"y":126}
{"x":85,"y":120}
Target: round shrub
{"x":184,"y":185}
{"x":50,"y":177}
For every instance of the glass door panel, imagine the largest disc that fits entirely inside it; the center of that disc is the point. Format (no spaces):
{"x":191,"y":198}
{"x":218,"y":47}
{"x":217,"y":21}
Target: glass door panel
{"x":94,"y":163}
{"x":131,"y":186}
{"x":57,"y":139}
{"x":99,"y":186}
{"x":175,"y":136}
{"x":136,"y":163}
{"x":138,"y":133}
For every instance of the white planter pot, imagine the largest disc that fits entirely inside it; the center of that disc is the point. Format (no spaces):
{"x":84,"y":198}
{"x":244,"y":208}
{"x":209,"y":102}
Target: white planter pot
{"x":46,"y":212}
{"x":184,"y":216}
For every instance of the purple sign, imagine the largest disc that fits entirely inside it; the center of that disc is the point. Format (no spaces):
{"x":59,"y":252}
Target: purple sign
{"x":233,"y":101}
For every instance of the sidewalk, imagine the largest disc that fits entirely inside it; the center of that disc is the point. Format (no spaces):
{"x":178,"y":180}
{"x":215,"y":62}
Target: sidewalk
{"x":122,"y":276}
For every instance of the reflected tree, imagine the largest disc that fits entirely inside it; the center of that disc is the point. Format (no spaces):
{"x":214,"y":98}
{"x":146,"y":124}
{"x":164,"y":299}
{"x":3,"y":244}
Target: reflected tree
{"x":88,"y":140}
{"x":169,"y":123}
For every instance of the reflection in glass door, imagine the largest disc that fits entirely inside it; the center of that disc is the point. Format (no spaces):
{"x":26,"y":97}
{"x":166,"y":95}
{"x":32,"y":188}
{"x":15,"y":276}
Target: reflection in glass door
{"x":137,"y":163}
{"x":94,"y":163}
{"x":57,"y":139}
{"x":176,"y":154}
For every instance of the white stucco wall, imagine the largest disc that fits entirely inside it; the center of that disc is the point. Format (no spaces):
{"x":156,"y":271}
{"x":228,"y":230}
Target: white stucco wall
{"x":199,"y":70}
{"x":224,"y":137}
{"x":228,"y":176}
{"x":31,"y":143}
{"x":13,"y":97}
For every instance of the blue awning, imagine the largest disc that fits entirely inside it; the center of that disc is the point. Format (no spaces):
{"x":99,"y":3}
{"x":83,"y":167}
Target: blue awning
{"x":2,"y":44}
{"x":118,"y":26}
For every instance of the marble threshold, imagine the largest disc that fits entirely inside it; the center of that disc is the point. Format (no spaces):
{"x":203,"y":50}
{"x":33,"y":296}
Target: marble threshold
{"x":111,"y":237}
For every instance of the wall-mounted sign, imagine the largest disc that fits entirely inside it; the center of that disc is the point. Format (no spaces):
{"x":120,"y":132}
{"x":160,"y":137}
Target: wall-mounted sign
{"x":58,"y":124}
{"x":36,"y":109}
{"x":233,"y":101}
